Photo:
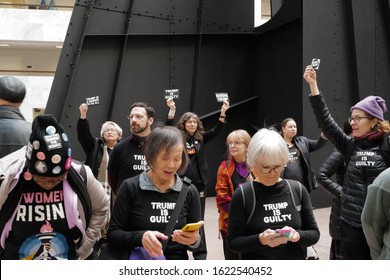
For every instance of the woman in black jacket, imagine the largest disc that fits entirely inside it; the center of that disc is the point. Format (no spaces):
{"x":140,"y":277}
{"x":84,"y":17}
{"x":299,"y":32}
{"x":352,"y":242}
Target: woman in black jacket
{"x":300,"y":147}
{"x":366,"y":155}
{"x":198,"y":171}
{"x":98,"y":150}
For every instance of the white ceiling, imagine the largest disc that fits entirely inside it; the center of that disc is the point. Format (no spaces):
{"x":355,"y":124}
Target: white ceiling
{"x":39,"y":49}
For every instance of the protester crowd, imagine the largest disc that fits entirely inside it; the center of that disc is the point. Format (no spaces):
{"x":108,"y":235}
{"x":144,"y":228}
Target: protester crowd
{"x":143,"y":196}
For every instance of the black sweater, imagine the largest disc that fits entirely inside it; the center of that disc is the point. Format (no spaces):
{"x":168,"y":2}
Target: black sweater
{"x":274,"y":209}
{"x":138,"y":210}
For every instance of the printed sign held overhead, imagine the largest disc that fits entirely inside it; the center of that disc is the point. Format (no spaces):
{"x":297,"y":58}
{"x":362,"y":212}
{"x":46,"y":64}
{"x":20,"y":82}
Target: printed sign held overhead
{"x":222,"y":96}
{"x":315,"y":63}
{"x":94,"y":100}
{"x":171,"y":93}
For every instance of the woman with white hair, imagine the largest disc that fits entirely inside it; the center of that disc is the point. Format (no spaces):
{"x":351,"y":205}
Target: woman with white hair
{"x":98,"y":151}
{"x":271,"y":218}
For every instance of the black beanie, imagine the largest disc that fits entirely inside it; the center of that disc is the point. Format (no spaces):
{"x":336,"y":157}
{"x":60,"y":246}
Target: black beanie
{"x":48,"y":151}
{"x":12,"y":89}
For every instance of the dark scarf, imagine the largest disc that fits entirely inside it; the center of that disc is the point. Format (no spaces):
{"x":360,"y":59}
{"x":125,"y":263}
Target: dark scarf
{"x":372,"y":135}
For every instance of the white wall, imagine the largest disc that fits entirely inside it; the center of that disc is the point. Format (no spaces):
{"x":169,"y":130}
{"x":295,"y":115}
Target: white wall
{"x":34,"y":34}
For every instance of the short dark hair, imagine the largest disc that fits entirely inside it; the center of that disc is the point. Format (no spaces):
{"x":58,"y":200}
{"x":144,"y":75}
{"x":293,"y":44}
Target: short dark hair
{"x":165,"y":138}
{"x":12,"y":89}
{"x":149,"y":109}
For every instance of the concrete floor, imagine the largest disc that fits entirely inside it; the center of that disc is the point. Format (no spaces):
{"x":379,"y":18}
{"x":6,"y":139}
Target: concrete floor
{"x":214,"y":245}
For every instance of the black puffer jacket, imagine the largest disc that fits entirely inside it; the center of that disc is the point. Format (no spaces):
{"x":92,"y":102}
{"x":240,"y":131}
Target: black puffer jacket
{"x":365,"y":160}
{"x":333,"y":165}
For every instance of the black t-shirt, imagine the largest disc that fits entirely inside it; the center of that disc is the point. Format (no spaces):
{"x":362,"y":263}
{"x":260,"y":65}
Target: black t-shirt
{"x":126,"y":160}
{"x":192,"y":171}
{"x":294,"y":169}
{"x":40,"y":229}
{"x":237,"y":179}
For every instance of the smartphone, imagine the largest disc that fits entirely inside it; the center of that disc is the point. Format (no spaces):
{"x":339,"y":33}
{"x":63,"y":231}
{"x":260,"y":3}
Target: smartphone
{"x":285,"y":232}
{"x":193,"y":226}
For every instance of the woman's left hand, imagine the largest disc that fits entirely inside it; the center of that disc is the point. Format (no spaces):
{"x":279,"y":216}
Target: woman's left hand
{"x":294,"y":235}
{"x":185,"y":237}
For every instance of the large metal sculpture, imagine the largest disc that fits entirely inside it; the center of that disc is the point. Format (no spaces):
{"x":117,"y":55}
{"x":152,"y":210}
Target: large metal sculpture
{"x":123,"y":51}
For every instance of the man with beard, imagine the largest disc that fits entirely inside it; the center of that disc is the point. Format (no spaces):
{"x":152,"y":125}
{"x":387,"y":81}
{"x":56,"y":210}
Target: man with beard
{"x":127,"y":159}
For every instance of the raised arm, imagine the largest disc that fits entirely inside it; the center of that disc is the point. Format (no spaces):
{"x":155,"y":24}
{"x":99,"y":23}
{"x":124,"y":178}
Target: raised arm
{"x":83,"y":111}
{"x":86,"y":139}
{"x":172,"y":109}
{"x":225,"y":106}
{"x":310,"y":76}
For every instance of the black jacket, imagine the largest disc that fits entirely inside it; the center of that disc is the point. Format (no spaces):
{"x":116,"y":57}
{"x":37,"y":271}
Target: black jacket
{"x":333,"y":165}
{"x":92,"y":146}
{"x":365,"y":159}
{"x":200,"y":152}
{"x":306,"y":146}
{"x":15,"y":130}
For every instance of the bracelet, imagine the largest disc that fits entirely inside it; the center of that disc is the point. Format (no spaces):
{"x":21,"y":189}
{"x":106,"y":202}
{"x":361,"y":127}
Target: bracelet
{"x":222,"y":117}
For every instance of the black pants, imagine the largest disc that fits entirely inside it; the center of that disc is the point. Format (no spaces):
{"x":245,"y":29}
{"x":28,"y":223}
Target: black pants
{"x":201,"y":252}
{"x":353,"y":244}
{"x":335,"y":250}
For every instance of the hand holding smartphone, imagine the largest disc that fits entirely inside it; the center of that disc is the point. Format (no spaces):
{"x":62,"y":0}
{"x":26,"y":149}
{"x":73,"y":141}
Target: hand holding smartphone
{"x":193,"y":226}
{"x":284,"y":232}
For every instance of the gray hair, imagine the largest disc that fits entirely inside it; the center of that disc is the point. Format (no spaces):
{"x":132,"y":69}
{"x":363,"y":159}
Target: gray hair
{"x":165,"y":138}
{"x":267,"y":148}
{"x":116,"y":127}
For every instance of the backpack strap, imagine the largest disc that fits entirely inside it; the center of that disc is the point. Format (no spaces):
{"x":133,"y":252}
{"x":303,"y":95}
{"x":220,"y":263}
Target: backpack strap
{"x":296,"y":194}
{"x":83,"y":174}
{"x":186,"y":184}
{"x":78,"y":182}
{"x":249,"y":199}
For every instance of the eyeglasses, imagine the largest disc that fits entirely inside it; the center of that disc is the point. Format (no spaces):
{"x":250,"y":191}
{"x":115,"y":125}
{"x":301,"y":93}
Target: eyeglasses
{"x":235,"y":143}
{"x":129,"y":117}
{"x":268,"y":169}
{"x":357,"y":119}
